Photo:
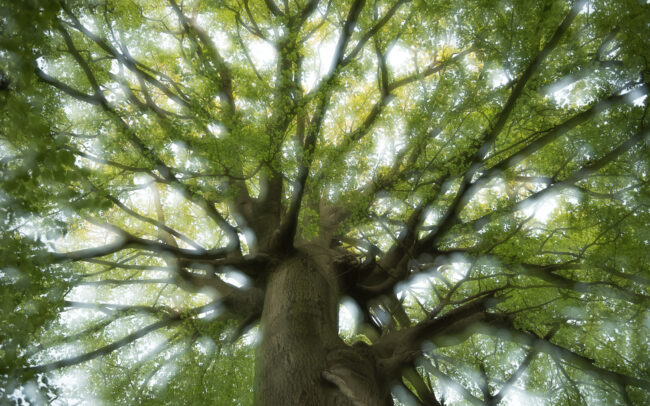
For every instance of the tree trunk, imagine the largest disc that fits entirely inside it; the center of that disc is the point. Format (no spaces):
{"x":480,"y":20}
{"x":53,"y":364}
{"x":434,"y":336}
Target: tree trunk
{"x":301,"y":359}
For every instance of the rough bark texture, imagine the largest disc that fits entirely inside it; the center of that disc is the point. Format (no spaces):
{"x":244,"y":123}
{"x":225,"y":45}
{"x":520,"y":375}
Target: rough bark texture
{"x":301,"y":359}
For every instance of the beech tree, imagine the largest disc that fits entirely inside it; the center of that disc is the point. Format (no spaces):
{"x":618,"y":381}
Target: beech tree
{"x":356,"y":202}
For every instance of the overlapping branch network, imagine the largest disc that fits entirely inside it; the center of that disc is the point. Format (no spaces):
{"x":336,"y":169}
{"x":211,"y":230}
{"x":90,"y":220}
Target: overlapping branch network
{"x":275,"y":219}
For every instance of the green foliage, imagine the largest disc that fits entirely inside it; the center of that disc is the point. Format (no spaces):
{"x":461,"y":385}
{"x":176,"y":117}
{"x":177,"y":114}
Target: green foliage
{"x":159,"y":127}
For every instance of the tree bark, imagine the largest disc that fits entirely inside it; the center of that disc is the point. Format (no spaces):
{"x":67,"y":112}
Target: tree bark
{"x":301,"y":360}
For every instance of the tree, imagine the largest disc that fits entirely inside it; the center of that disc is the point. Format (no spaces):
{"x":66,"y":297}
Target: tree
{"x":473,"y":177}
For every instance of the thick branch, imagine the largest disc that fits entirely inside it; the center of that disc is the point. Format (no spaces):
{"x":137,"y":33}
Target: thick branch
{"x":112,"y":307}
{"x":130,"y":241}
{"x":402,"y":346}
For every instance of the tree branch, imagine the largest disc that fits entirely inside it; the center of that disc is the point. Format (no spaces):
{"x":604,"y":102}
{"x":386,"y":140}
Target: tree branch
{"x":496,"y":325}
{"x":490,"y":135}
{"x":399,"y":347}
{"x":107,"y":349}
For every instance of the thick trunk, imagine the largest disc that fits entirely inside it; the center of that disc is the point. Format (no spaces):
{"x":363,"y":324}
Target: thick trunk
{"x":301,"y":360}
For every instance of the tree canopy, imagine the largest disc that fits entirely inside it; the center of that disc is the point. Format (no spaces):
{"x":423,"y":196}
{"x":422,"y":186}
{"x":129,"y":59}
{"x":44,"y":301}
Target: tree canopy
{"x":356,"y":202}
